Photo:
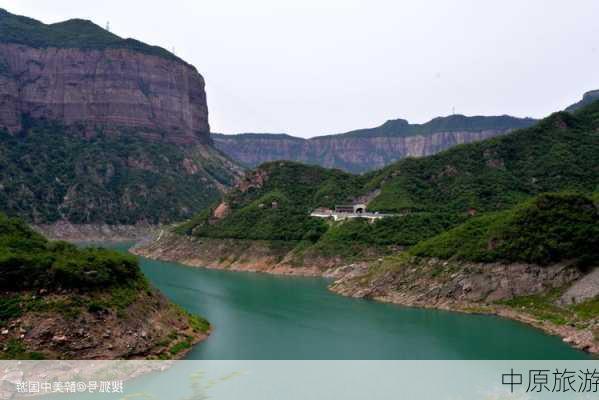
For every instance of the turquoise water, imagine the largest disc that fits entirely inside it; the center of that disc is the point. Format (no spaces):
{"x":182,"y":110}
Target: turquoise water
{"x":259,"y":316}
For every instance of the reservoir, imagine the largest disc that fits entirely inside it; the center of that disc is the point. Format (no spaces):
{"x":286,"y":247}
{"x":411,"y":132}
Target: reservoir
{"x":266,"y":317}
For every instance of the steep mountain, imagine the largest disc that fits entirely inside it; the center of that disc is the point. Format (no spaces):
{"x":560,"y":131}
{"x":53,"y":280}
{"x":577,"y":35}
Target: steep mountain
{"x":58,"y":301}
{"x":99,"y":129}
{"x":587,"y":99}
{"x":558,"y":153}
{"x":368,"y":149}
{"x":428,"y":195}
{"x":561,"y":152}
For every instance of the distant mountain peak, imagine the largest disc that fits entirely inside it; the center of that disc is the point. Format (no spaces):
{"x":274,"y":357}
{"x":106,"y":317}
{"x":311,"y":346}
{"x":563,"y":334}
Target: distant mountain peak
{"x":587,"y":98}
{"x":396,"y":123}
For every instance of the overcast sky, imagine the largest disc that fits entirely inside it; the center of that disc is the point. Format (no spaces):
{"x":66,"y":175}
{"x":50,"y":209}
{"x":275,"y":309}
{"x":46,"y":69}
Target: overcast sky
{"x":312,"y":67}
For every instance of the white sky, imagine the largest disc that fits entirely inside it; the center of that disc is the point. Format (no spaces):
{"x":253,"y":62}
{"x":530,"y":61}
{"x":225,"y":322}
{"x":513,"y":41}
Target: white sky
{"x":311,"y":67}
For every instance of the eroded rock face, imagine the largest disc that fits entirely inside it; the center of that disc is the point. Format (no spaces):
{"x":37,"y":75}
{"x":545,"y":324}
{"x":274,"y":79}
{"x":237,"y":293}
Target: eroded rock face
{"x":350,"y":153}
{"x":164,"y":99}
{"x":426,"y":282}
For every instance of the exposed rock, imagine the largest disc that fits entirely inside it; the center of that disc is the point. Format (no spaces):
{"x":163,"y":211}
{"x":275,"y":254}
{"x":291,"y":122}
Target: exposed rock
{"x":64,"y":230}
{"x":148,"y":327}
{"x":106,"y":101}
{"x":221,"y":211}
{"x":584,"y":289}
{"x":111,"y":87}
{"x":252,"y":179}
{"x":471,"y":287}
{"x":235,"y":255}
{"x":367,"y":149}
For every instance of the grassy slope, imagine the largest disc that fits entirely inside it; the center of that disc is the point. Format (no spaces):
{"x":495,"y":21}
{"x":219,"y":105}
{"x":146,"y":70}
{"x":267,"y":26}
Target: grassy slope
{"x":74,"y":33}
{"x":547,"y":229}
{"x":279,"y":209}
{"x":452,"y":123}
{"x":57,"y":278}
{"x":51,"y":173}
{"x":559,"y":153}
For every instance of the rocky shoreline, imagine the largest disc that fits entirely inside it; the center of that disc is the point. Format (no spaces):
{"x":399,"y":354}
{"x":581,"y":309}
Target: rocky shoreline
{"x":232,"y":255}
{"x":64,"y":230}
{"x":79,"y":326}
{"x":471,"y":288}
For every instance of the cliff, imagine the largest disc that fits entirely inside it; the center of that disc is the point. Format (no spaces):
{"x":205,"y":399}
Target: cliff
{"x":96,"y":129}
{"x":368,"y":149}
{"x":112,"y":84}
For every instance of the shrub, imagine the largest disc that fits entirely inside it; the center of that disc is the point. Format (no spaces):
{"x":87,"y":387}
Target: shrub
{"x":29,"y":261}
{"x":547,"y":229}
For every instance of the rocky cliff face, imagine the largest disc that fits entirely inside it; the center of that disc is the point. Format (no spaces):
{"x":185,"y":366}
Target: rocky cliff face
{"x":163,"y":99}
{"x":367,"y":149}
{"x":97,"y":129}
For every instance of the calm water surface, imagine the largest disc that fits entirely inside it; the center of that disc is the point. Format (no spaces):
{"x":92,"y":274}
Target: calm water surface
{"x":259,"y":316}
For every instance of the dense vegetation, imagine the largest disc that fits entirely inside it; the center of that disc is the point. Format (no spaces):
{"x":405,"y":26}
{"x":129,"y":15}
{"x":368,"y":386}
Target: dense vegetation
{"x":74,"y":33}
{"x":544,"y":230}
{"x":44,"y":282}
{"x":52,"y":172}
{"x":559,"y":153}
{"x":29,"y":261}
{"x":279,"y":208}
{"x":435,"y":194}
{"x":406,"y":230}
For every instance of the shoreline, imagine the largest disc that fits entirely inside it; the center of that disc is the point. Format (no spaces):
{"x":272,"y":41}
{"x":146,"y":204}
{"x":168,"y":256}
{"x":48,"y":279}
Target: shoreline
{"x":581,"y":339}
{"x":230,"y":255}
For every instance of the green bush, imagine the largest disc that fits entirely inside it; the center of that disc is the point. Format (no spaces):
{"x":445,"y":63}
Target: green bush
{"x":436,"y":193}
{"x":29,"y":261}
{"x":115,"y":178}
{"x":547,"y":229}
{"x":560,"y":153}
{"x":280,"y":208}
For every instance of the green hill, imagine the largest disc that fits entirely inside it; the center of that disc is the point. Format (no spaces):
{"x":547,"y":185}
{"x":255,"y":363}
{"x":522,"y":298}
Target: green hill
{"x":275,"y":201}
{"x":451,"y":123}
{"x":559,"y":153}
{"x":74,"y":33}
{"x":544,"y":230}
{"x":51,"y":173}
{"x":432,"y":194}
{"x":67,"y":289}
{"x":588,"y":98}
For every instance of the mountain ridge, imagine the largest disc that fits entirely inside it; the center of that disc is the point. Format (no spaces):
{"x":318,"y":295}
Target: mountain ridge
{"x":71,"y":33}
{"x":366,"y":149}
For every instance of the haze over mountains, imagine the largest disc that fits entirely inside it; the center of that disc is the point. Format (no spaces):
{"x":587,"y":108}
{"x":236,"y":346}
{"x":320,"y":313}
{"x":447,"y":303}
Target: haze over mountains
{"x":368,"y":149}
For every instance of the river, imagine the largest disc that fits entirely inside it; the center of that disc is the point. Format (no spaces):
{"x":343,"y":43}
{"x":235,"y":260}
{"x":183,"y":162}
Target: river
{"x":260,"y":316}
